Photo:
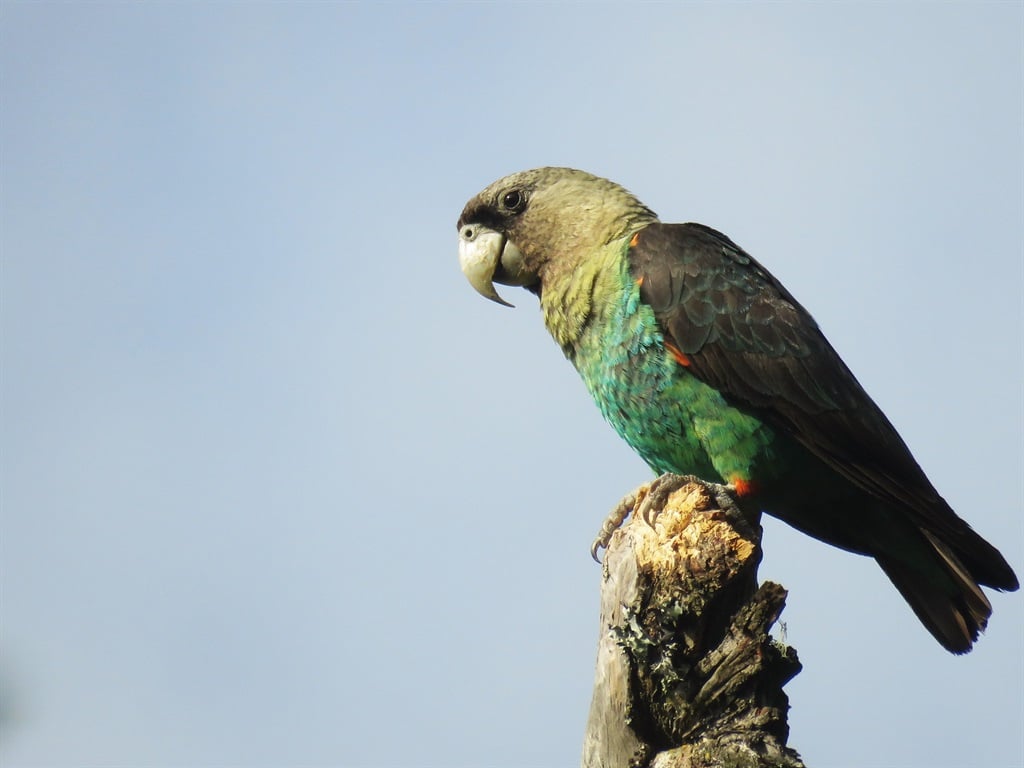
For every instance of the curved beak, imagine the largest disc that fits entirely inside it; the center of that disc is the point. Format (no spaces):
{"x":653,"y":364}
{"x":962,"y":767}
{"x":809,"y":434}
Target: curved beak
{"x":483,"y":253}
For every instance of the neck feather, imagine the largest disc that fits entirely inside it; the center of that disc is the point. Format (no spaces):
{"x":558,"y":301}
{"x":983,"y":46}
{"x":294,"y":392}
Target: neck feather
{"x":577,"y":291}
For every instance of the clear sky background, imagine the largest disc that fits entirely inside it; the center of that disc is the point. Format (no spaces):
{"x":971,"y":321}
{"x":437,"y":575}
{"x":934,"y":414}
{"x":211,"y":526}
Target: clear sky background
{"x":279,"y":489}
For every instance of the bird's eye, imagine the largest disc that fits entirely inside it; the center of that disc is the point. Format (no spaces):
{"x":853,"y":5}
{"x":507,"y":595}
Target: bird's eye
{"x":513,"y":201}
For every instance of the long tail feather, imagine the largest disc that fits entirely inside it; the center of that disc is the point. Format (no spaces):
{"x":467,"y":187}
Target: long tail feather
{"x":954,"y":609}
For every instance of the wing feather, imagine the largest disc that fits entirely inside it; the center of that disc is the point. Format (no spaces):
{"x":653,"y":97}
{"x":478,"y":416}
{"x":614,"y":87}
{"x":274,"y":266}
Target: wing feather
{"x":746,"y":336}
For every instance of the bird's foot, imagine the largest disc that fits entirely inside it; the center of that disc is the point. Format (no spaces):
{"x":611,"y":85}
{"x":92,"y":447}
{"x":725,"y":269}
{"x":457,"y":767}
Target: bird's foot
{"x":644,"y":502}
{"x":658,"y":492}
{"x":615,"y":519}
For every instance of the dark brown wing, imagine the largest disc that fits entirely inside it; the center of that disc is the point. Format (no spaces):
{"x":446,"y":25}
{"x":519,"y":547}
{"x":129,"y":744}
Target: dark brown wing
{"x":746,"y":336}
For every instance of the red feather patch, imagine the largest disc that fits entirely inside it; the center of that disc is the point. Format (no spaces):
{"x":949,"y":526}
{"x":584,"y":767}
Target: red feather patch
{"x":743,"y":487}
{"x":678,"y":354}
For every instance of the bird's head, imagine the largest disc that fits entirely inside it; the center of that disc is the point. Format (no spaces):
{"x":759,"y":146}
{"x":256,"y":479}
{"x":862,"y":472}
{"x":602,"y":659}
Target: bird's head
{"x":521,"y":226}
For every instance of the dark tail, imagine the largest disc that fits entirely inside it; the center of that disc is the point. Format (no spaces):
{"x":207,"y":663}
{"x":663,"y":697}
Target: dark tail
{"x":952,"y":607}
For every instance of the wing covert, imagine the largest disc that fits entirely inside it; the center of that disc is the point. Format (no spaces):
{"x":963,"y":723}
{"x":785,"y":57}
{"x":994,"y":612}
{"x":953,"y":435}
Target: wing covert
{"x":745,"y":335}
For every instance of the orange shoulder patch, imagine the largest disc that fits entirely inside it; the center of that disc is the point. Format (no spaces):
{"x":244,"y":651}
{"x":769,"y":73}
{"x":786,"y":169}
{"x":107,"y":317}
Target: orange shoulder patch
{"x":678,"y":354}
{"x":634,"y":240}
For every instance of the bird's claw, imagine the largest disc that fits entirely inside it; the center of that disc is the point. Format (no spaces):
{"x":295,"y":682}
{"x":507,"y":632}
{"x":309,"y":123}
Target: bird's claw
{"x":658,"y":492}
{"x":613,"y":521}
{"x":646,"y":502}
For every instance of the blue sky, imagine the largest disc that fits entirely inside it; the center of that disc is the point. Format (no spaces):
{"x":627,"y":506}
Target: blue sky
{"x":278,"y":488}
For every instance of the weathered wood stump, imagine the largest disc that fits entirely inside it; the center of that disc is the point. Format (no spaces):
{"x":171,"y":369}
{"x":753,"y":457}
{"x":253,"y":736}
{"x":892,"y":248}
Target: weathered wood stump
{"x":687,"y":674}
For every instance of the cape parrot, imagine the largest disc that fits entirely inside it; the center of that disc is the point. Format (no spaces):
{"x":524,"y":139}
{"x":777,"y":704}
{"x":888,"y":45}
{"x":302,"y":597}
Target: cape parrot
{"x":706,"y":365}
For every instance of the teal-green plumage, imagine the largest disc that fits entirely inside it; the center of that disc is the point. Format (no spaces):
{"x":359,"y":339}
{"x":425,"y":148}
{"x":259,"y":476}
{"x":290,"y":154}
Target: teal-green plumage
{"x":706,"y":365}
{"x":673,"y":420}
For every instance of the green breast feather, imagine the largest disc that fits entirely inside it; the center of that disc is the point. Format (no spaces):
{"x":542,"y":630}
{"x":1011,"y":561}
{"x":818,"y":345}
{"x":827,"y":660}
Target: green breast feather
{"x":675,"y":422}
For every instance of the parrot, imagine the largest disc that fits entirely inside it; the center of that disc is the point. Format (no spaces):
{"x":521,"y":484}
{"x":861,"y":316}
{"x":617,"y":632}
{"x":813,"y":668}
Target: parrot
{"x":707,"y":366}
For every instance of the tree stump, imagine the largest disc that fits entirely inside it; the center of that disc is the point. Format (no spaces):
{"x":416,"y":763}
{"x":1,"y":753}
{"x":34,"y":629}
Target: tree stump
{"x":687,"y":675}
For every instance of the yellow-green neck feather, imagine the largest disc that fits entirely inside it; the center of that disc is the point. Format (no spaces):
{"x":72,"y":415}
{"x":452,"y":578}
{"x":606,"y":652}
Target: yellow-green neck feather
{"x":578,"y":288}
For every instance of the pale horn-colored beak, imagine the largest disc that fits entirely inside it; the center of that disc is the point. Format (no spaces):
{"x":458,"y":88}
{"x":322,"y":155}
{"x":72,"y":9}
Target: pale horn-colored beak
{"x":481,"y":252}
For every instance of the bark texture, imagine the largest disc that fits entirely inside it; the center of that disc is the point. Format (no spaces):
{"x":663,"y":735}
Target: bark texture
{"x":687,"y":675}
